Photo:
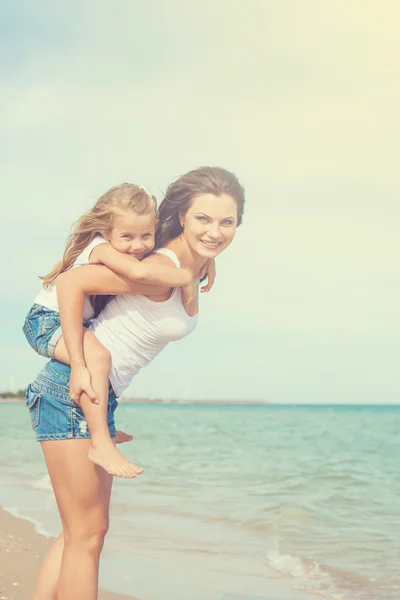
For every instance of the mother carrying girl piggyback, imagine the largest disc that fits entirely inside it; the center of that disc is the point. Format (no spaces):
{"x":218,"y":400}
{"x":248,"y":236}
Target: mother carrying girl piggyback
{"x":197,"y":221}
{"x":117,"y":232}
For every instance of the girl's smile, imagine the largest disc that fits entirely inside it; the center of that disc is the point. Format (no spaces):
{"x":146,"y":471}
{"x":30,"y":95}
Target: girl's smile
{"x":132,"y":233}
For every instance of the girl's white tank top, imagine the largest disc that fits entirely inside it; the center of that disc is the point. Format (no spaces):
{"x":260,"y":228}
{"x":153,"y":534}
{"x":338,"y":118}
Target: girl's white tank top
{"x":135,"y":329}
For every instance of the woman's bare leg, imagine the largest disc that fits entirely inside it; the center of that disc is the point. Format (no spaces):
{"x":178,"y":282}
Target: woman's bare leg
{"x":49,"y":574}
{"x":82,"y":491}
{"x":102,"y":450}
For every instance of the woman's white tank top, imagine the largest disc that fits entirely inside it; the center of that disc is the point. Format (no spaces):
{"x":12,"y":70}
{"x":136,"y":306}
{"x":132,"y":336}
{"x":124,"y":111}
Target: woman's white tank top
{"x":135,"y":329}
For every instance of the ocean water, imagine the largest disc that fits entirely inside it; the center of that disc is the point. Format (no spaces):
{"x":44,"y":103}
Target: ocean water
{"x":261,"y":502}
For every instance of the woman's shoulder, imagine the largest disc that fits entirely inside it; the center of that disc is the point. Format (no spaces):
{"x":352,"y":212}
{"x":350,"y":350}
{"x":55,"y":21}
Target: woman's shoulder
{"x":169,"y":253}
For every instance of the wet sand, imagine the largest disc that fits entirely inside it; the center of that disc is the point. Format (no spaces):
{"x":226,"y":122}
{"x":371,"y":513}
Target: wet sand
{"x":21,"y":552}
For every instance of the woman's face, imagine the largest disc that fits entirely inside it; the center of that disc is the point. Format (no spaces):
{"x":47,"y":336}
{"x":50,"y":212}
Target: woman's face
{"x":210,"y":224}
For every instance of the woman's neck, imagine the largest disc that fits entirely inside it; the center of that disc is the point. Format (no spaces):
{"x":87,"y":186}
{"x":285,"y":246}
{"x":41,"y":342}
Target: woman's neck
{"x":189,"y":260}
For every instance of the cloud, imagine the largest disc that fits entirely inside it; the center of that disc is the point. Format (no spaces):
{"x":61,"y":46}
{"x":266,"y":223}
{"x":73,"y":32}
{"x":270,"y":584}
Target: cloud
{"x":300,"y":99}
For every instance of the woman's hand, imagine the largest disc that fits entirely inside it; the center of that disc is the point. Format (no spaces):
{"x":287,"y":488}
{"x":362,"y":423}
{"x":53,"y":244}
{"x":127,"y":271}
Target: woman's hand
{"x":79,"y":383}
{"x":209,"y":270}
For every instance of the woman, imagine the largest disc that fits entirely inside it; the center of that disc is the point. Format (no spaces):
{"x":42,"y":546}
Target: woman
{"x":198,"y":220}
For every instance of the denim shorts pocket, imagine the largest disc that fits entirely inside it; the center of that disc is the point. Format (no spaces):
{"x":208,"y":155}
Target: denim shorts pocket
{"x":32,"y":401}
{"x":51,"y":322}
{"x":28,"y":333}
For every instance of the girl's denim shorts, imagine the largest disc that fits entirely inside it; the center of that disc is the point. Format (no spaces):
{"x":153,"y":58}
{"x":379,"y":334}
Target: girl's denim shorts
{"x":42,"y":329}
{"x":54,"y":416}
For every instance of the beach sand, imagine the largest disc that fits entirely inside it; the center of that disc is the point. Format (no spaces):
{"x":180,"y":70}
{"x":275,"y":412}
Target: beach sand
{"x":21,"y":552}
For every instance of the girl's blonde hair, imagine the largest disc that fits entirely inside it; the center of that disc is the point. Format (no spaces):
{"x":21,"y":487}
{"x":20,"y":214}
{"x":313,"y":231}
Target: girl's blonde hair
{"x":101,"y":218}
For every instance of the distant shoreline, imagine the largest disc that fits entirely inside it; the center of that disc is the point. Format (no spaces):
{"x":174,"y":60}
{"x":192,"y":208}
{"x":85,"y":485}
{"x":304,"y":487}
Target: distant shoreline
{"x":13,"y":400}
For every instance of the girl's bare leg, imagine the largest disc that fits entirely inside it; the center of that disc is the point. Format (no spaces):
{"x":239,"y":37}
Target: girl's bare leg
{"x":121,"y":437}
{"x":82,"y":491}
{"x":102,"y":450}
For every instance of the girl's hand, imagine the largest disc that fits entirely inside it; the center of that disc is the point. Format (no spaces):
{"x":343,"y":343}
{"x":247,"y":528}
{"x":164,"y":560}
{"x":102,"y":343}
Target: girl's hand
{"x":79,"y":383}
{"x":210,"y":271}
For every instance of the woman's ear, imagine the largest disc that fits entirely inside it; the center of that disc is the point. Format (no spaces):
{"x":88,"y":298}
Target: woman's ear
{"x":182,"y":220}
{"x":105,"y":234}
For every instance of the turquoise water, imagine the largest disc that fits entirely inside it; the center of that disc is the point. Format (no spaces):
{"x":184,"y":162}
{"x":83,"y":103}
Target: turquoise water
{"x":282,"y":501}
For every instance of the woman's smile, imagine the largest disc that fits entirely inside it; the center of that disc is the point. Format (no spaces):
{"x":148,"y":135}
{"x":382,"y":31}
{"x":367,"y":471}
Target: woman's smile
{"x":211,"y":245}
{"x":210,"y":224}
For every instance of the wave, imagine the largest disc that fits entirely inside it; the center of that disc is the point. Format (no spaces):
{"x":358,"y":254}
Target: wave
{"x":331,"y":583}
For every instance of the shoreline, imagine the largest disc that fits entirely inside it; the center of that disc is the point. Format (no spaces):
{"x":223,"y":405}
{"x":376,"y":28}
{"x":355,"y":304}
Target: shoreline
{"x":22,"y":549}
{"x":123,"y":400}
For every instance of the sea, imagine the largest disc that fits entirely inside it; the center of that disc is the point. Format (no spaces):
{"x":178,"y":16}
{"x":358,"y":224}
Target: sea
{"x":256,"y":502}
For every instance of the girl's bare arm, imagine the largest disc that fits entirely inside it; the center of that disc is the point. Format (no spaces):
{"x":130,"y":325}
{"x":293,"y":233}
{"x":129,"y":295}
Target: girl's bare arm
{"x":74,"y":285}
{"x":145,"y":271}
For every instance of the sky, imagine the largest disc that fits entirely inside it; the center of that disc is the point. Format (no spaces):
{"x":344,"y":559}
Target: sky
{"x":300,"y":99}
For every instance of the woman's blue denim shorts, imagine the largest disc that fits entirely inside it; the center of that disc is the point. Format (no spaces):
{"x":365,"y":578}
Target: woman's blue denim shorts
{"x":42,"y":329}
{"x":54,"y":416}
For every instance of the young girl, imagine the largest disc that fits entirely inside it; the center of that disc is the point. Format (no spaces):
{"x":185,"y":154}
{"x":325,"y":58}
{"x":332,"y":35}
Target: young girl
{"x":117,"y":232}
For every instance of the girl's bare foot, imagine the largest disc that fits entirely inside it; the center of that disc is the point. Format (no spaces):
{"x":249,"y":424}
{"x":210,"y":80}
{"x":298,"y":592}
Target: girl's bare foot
{"x":111,"y":460}
{"x":121,"y":437}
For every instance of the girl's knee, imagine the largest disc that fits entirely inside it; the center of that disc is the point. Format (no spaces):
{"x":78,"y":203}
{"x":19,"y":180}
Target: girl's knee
{"x":102,"y":358}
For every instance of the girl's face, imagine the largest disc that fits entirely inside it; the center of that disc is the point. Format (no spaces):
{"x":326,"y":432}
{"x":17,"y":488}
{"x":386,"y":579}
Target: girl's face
{"x":132,"y":233}
{"x":210,"y":224}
